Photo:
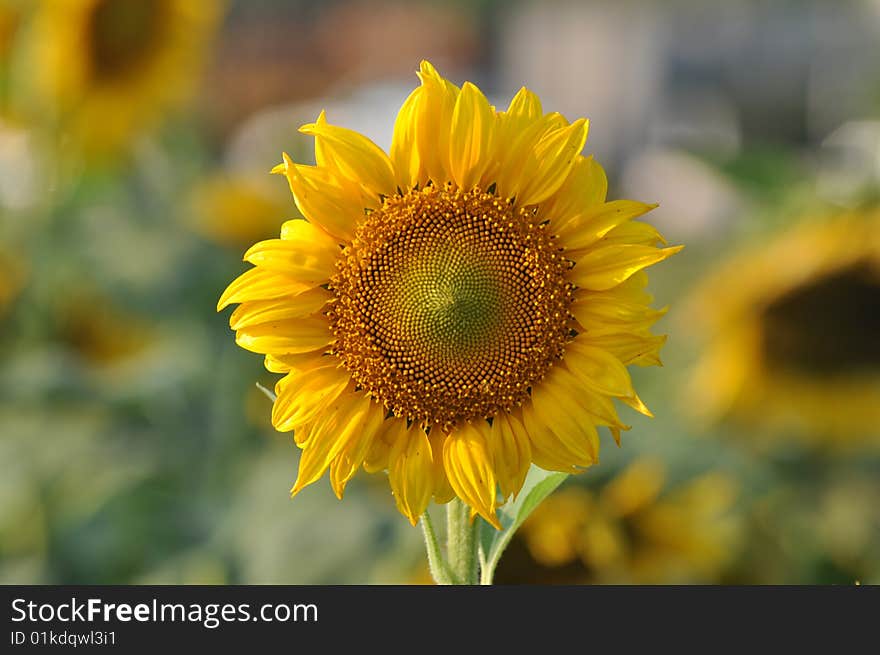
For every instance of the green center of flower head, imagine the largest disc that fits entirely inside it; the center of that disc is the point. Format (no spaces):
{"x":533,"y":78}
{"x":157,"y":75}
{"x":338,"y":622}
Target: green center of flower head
{"x":449,"y":298}
{"x":122,"y":33}
{"x":828,"y":327}
{"x":449,"y":305}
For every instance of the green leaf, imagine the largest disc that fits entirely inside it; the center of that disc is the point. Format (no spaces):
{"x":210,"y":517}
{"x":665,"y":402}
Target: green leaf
{"x":538,"y":485}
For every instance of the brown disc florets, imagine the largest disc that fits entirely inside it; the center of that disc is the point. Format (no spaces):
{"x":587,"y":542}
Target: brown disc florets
{"x":449,"y":305}
{"x":122,"y":35}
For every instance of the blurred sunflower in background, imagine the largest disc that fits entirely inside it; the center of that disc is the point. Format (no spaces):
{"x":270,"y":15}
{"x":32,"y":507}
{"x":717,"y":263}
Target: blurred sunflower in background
{"x":10,"y":20}
{"x":103,"y":71}
{"x":457,"y":310}
{"x":98,"y":332}
{"x":235,"y":210}
{"x":637,"y":529}
{"x":12,"y":278}
{"x":792,"y":330}
{"x":11,"y":15}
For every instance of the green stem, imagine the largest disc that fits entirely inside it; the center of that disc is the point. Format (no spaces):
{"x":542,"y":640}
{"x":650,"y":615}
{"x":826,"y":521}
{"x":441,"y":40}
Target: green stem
{"x":461,"y":543}
{"x":436,"y":563}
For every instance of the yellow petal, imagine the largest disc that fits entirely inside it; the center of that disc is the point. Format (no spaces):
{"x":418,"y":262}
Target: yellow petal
{"x":302,"y":259}
{"x":404,"y":153}
{"x":471,"y":137}
{"x":279,"y":309}
{"x":333,"y":204}
{"x":289,"y":337}
{"x":601,"y":409}
{"x":630,"y":291}
{"x":608,"y":266}
{"x":517,"y":130}
{"x":303,"y":395}
{"x":556,"y":407}
{"x":443,"y":491}
{"x":636,"y":403}
{"x":615,"y":434}
{"x":634,"y":232}
{"x":261,"y":284}
{"x":520,"y":137}
{"x":597,"y":406}
{"x":354,"y":156}
{"x":548,"y":451}
{"x":599,"y":369}
{"x":593,"y":312}
{"x":594,"y":223}
{"x":556,"y":154}
{"x":433,"y":118}
{"x":524,"y":108}
{"x":428,"y":72}
{"x":512,"y":454}
{"x":352,"y":452}
{"x":377,"y":457}
{"x":629,"y":348}
{"x":469,"y":469}
{"x":330,"y":432}
{"x":299,"y":230}
{"x":586,"y":186}
{"x":287,"y":363}
{"x":411,"y":472}
{"x":322,"y":158}
{"x":584,"y":423}
{"x":390,"y":432}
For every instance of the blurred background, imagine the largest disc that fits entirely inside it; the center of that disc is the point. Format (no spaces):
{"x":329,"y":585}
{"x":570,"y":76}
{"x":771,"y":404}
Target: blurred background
{"x":136,"y":138}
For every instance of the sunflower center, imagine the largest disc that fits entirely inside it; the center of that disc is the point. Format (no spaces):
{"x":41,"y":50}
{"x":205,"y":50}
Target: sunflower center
{"x":829,"y":327}
{"x":449,"y":305}
{"x":122,"y":34}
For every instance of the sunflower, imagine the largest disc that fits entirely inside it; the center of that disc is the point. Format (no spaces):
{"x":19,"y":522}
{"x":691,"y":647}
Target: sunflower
{"x":232,"y":209}
{"x":10,"y":24}
{"x":636,"y":529}
{"x":12,"y":278}
{"x":102,"y":335}
{"x":107,"y":69}
{"x":792,"y":333}
{"x":456,"y":311}
{"x":10,"y":21}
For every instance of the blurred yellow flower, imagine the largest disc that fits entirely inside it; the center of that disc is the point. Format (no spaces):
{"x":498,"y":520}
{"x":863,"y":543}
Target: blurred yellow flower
{"x":634,"y":530}
{"x":10,"y":22}
{"x":12,"y":277}
{"x":848,"y":524}
{"x":793,"y":331}
{"x":457,"y":310}
{"x":106,"y":70}
{"x":99,"y":332}
{"x":235,"y":211}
